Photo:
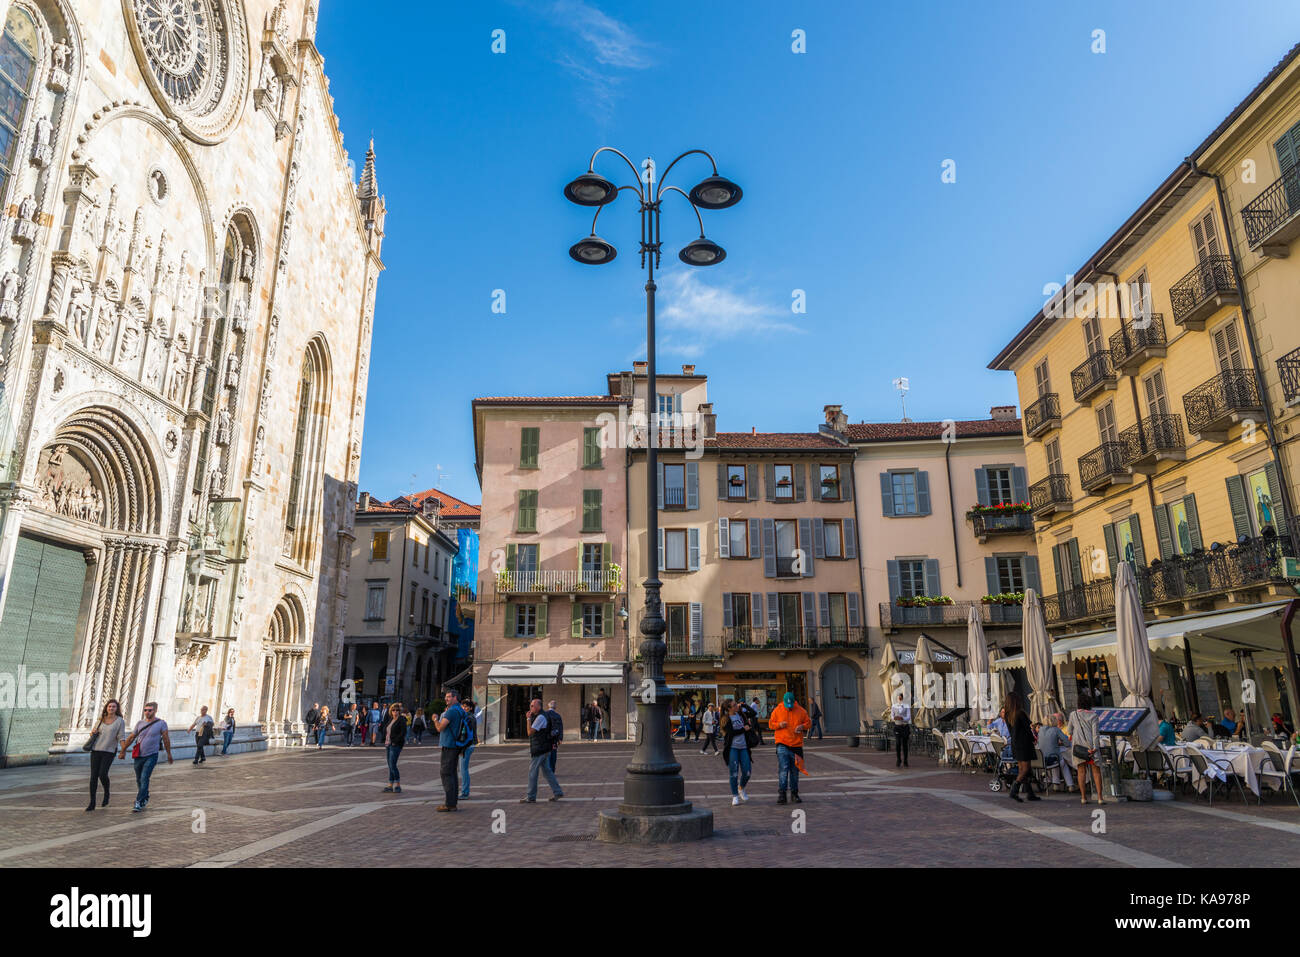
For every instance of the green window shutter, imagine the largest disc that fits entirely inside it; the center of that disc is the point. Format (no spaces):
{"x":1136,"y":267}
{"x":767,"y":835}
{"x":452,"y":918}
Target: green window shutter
{"x":528,"y":510}
{"x":1112,"y":547}
{"x":1237,"y":502}
{"x":591,"y":509}
{"x":512,"y":556}
{"x":575,"y":622}
{"x":606,"y":556}
{"x":1193,"y":522}
{"x":1056,"y":565}
{"x":591,"y":457}
{"x":1275,"y":493}
{"x":607,"y":620}
{"x":1139,"y":553}
{"x":541,"y":618}
{"x":512,"y":623}
{"x":1163,"y":535}
{"x":1287,"y":148}
{"x":529,"y":443}
{"x":1076,"y":568}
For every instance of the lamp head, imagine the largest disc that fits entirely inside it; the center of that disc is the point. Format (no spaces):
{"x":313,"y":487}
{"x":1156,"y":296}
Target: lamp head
{"x":716,"y":192}
{"x":593,"y":251}
{"x":702,"y":252}
{"x":591,"y":189}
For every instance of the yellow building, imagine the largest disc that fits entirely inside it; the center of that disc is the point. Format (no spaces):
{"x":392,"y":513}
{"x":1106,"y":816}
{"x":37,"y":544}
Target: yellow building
{"x":1156,"y":417}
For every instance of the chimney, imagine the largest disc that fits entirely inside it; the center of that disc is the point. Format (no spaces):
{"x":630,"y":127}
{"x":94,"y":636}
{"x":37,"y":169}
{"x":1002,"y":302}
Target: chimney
{"x":710,"y":420}
{"x":835,"y":417}
{"x":753,"y":430}
{"x":688,"y":370}
{"x":365,"y":502}
{"x":430,"y":507}
{"x":640,"y":368}
{"x":1003,"y":413}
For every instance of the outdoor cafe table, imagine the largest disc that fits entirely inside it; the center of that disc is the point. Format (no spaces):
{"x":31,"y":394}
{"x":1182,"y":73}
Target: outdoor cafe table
{"x":1245,"y":763}
{"x":979,"y":743}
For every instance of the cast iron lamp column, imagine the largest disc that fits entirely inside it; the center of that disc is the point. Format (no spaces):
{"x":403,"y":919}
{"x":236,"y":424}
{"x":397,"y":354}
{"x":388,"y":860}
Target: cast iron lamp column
{"x":654,"y":807}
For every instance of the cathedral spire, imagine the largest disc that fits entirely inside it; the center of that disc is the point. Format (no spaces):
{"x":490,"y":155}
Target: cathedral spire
{"x":373,"y":208}
{"x":369,"y":187}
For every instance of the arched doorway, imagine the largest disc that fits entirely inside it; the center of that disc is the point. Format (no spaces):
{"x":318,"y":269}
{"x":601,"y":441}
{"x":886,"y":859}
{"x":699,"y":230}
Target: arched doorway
{"x":840,"y":698}
{"x":286,"y":654}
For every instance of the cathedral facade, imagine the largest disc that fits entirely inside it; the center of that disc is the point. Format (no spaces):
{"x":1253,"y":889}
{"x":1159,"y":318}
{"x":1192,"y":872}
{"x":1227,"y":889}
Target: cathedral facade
{"x":187,"y":287}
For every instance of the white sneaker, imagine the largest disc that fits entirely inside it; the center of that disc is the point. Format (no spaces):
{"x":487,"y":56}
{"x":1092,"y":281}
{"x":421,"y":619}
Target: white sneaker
{"x":743,"y":795}
{"x":735,"y":802}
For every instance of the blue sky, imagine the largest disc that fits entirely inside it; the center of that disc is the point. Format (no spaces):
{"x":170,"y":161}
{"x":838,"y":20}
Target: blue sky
{"x":839,"y":150}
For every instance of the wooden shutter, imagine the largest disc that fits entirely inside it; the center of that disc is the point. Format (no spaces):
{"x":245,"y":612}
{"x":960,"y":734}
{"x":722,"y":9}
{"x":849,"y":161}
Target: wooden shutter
{"x":755,"y":613}
{"x":932,"y":577}
{"x":512,"y":621}
{"x":1042,"y":379}
{"x":1193,"y":522}
{"x":661,"y":485}
{"x":819,"y":538}
{"x":846,"y":482}
{"x":1056,"y":565}
{"x":769,"y":476}
{"x":727,"y":620}
{"x":1288,"y":149}
{"x":697,"y":627}
{"x":1164,"y":538}
{"x":807,"y":546}
{"x":607,"y":620}
{"x":800,"y":488}
{"x":982,"y":487}
{"x":722,"y":481}
{"x":541,"y":618}
{"x":1030,"y":565}
{"x":754,"y":540}
{"x":692,"y":485}
{"x":575,"y":620}
{"x":810,"y":617}
{"x":693,"y":549}
{"x":1237,"y":503}
{"x":991,"y":576}
{"x":895,"y":580}
{"x":1076,"y":568}
{"x":512,"y":557}
{"x":606,"y":557}
{"x":529,"y":444}
{"x":850,"y":538}
{"x":751,"y":483}
{"x":661,"y":549}
{"x":769,"y":548}
{"x":1275,"y":493}
{"x":1019,"y":484}
{"x":851,"y":599}
{"x":1139,"y":553}
{"x":886,"y":494}
{"x":1227,"y":347}
{"x":824,"y":609}
{"x":922,"y":493}
{"x":1157,"y":400}
{"x":773,"y":613}
{"x":1112,"y":547}
{"x":1205,"y":236}
{"x":724,"y":538}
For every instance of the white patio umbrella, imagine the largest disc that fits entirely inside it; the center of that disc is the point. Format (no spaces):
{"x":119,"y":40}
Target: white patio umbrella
{"x":1133,"y":654}
{"x":981,"y":684}
{"x":922,"y":716}
{"x":888,"y":668}
{"x":1038,"y":659}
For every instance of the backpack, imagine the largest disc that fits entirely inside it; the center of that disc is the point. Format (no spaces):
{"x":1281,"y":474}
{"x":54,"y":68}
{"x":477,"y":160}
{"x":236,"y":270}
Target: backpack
{"x":556,"y":725}
{"x":463,"y":736}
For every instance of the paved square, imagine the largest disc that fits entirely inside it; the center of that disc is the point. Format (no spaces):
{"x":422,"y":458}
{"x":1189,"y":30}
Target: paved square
{"x":326,"y":809}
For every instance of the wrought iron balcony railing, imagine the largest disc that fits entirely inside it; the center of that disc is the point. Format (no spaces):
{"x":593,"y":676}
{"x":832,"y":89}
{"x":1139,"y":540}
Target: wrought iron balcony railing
{"x":1137,"y":341}
{"x":1270,"y":218}
{"x":955,"y":615}
{"x":565,"y":580}
{"x":1095,"y":373}
{"x":1199,"y":294}
{"x":1288,"y":370}
{"x":1218,"y":403}
{"x":674,"y":497}
{"x":1096,"y":600}
{"x":1051,"y":494}
{"x":794,"y":637}
{"x":1103,"y":466}
{"x":704,"y":648}
{"x":1001,"y":523}
{"x":1043,"y":415}
{"x":1154,"y":439}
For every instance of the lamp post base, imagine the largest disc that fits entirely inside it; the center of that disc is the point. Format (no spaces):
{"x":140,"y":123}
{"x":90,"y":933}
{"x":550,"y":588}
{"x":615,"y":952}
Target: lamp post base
{"x":675,"y":824}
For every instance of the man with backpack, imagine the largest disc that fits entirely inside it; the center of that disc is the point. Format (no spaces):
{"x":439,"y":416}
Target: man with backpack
{"x":540,"y":749}
{"x":454,"y":737}
{"x":557,"y":731}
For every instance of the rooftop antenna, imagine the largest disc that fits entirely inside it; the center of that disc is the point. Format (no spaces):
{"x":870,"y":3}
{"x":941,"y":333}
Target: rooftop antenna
{"x":901,"y":384}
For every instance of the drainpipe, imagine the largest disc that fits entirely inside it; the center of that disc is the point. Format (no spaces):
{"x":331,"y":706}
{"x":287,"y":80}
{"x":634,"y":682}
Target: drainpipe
{"x":1285,"y":490}
{"x":952,"y":510}
{"x":857,"y":544}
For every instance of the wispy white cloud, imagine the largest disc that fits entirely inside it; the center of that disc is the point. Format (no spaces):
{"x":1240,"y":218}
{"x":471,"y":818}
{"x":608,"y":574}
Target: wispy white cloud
{"x":695,"y":314}
{"x":604,"y":48}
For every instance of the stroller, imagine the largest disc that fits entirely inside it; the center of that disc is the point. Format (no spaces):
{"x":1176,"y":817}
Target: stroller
{"x":1006,"y":772}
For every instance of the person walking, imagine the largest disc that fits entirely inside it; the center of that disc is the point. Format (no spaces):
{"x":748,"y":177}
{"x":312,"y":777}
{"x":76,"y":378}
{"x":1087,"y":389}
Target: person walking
{"x":901,"y":712}
{"x":602,"y":702}
{"x":227,"y":730}
{"x":377,"y":721}
{"x":363,"y":721}
{"x":737,"y":735}
{"x":816,"y":714}
{"x":1084,"y":741}
{"x":710,"y":723}
{"x":349,"y":725}
{"x":105,"y":739}
{"x":309,"y":719}
{"x":471,"y":722}
{"x":756,"y":718}
{"x":149,"y":734}
{"x":394,"y":733}
{"x":557,"y":731}
{"x":202,"y":728}
{"x":695,"y":720}
{"x":418,"y":724}
{"x":323,"y":726}
{"x":1022,"y":746}
{"x":788,"y":721}
{"x":453,"y":738}
{"x":540,"y":749}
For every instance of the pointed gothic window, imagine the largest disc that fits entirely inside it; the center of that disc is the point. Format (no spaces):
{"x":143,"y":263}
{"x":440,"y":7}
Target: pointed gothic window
{"x":310,"y":426}
{"x":19,"y":50}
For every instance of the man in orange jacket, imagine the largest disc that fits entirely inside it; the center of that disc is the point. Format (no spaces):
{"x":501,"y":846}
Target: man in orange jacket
{"x":789,"y":720}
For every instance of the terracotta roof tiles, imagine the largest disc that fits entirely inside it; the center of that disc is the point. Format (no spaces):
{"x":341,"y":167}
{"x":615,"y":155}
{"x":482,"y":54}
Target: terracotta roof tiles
{"x":905,"y":431}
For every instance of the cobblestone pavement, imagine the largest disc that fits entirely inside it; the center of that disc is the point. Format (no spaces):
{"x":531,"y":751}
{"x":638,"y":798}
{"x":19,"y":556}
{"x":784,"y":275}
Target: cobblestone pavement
{"x":309,"y":808}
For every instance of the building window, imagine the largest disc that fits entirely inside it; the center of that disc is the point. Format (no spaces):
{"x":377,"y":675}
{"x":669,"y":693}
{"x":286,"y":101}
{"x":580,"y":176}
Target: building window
{"x":309,"y":451}
{"x":593,"y":615}
{"x":787,"y":540}
{"x":415,"y":552}
{"x":736,"y":487}
{"x":740,"y":614}
{"x":738,"y":535}
{"x":593,"y":564}
{"x":839,"y":616}
{"x":375,"y":602}
{"x":379,"y":547}
{"x":834,"y":535}
{"x":1011,"y":575}
{"x":1106,"y":422}
{"x":1042,"y":379}
{"x":19,"y":48}
{"x":525,"y":621}
{"x":591,"y":510}
{"x":529,"y":443}
{"x":784,"y":477}
{"x":904,"y":484}
{"x":788,"y":617}
{"x":1053,"y":449}
{"x":426,"y":561}
{"x":911,"y":578}
{"x":527,"y":510}
{"x":665,"y":407}
{"x":830,"y":483}
{"x":675,"y":549}
{"x":674,"y":486}
{"x":424,"y":608}
{"x":999,"y":486}
{"x":1139,"y":297}
{"x":1092,"y":335}
{"x":591,"y":449}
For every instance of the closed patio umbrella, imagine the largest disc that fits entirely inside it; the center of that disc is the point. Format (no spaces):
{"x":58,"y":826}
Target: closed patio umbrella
{"x":922,"y":716}
{"x":888,"y":668}
{"x":1133,"y":654}
{"x":1038,"y":659}
{"x":981,"y":687}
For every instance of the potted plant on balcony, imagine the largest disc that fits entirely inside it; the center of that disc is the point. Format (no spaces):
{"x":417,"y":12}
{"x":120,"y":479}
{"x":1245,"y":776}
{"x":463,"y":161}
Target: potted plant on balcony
{"x":783,"y":482}
{"x":1005,"y":508}
{"x":736,"y":481}
{"x":923,"y":601}
{"x":614,"y":576}
{"x":503,"y":579}
{"x":1005,"y":598}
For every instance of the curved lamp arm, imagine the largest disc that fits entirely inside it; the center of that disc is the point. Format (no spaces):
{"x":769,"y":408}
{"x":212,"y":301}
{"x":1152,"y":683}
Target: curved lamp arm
{"x":663,"y":177}
{"x":599,"y":208}
{"x":674,"y":189}
{"x":636,"y":174}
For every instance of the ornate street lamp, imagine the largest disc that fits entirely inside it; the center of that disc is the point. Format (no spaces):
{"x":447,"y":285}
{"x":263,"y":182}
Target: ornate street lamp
{"x":654,"y":807}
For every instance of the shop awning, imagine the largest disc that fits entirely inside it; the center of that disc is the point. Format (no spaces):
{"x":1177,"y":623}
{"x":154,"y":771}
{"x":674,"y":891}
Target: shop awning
{"x":524,"y":673}
{"x":593,"y":672}
{"x":458,"y":677}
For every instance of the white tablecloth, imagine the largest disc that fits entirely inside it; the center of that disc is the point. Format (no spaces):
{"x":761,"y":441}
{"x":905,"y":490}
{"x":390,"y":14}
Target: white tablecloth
{"x":1244,"y":762}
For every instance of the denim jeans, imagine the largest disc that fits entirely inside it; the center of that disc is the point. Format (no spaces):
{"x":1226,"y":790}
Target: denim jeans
{"x":787,"y":773}
{"x":348,"y":732}
{"x":448,"y":762}
{"x":226,"y":738}
{"x":816,"y":728}
{"x":464,"y":770}
{"x":542,"y":763}
{"x":394,"y":752}
{"x":555,"y":753}
{"x":740,"y":761}
{"x":143,"y":771}
{"x":320,"y":738}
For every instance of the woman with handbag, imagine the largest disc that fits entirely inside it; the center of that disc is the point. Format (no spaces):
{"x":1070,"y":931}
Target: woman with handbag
{"x":109,"y":733}
{"x":739,"y":737}
{"x":1022,"y":746}
{"x":1084,"y":741}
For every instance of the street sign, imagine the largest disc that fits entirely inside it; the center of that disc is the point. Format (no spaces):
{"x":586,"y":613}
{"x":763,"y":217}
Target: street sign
{"x":389,"y":683}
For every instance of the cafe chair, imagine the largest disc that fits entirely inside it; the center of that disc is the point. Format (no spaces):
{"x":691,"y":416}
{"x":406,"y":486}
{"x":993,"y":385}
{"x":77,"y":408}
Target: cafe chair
{"x":1280,"y":769}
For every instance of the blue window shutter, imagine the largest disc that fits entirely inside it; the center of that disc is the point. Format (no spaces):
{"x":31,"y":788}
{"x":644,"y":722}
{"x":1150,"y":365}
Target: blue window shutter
{"x":800,"y":488}
{"x":886,"y":494}
{"x":819,"y":538}
{"x":922,"y":493}
{"x":726,"y":609}
{"x":1019,"y":484}
{"x":756,"y":612}
{"x":982,"y":486}
{"x":769,"y":548}
{"x":895,"y":580}
{"x":932,"y":577}
{"x":722,"y":480}
{"x":661,"y":549}
{"x":807,"y":546}
{"x":991,"y":575}
{"x":692,"y":485}
{"x":854,"y":620}
{"x":1193,"y":521}
{"x":1030,"y":565}
{"x":693,"y":549}
{"x":724,"y":538}
{"x":661,"y":484}
{"x":824,"y":606}
{"x":755,"y":539}
{"x":769,"y":481}
{"x":846,"y":482}
{"x":1237,"y":502}
{"x":810,"y":617}
{"x":850,"y":542}
{"x":773,"y":614}
{"x":751,"y":483}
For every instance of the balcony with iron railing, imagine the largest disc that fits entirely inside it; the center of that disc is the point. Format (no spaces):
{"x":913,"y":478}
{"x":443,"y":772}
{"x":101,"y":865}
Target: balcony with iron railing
{"x":794,"y":638}
{"x":1155,"y":439}
{"x":674,"y":497}
{"x":559,"y":581}
{"x":1137,"y":341}
{"x":1095,"y":374}
{"x":1103,"y":467}
{"x":1095,"y":600}
{"x":1043,"y":415}
{"x":1051,"y":495}
{"x":1288,"y":370}
{"x":952,"y":615}
{"x":685,"y":648}
{"x":986,"y":524}
{"x":1270,"y":218}
{"x":1217,"y":404}
{"x":1203,"y":291}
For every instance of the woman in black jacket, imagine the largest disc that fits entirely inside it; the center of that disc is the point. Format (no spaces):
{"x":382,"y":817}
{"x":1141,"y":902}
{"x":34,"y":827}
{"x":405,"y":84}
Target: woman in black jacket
{"x":1022,"y":745}
{"x":736,"y":753}
{"x":394,"y":731}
